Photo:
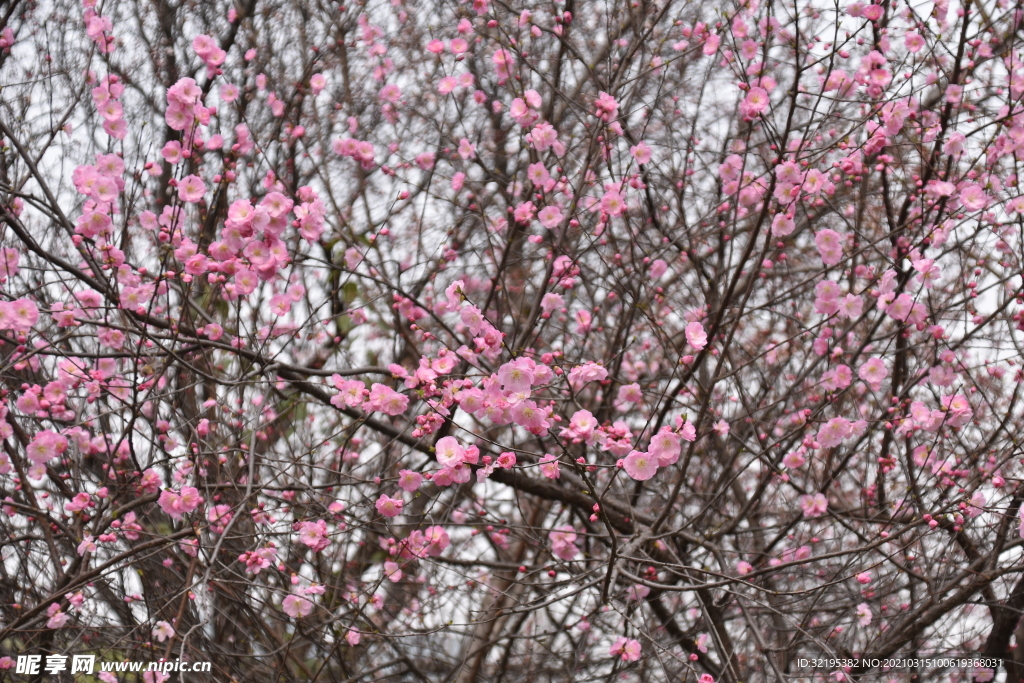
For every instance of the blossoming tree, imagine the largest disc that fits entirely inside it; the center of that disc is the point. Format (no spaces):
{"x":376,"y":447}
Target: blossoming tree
{"x":651,"y":340}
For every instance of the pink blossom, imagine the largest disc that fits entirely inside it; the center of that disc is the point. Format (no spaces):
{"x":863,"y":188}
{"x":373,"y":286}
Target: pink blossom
{"x":516,"y":376}
{"x":162,"y":631}
{"x":389,"y":507}
{"x":612,"y":203}
{"x":873,"y":371}
{"x":755,"y":102}
{"x":386,"y":400}
{"x":782,"y":225}
{"x":973,"y":197}
{"x":191,"y":189}
{"x":588,"y":372}
{"x":563,"y":542}
{"x":830,"y":246}
{"x":219,"y":516}
{"x":637,"y":592}
{"x":392,"y":571}
{"x":409,"y":481}
{"x":425,"y":160}
{"x":606,"y":107}
{"x":314,"y":535}
{"x":549,"y":466}
{"x":833,"y":432}
{"x":503,"y":61}
{"x":640,"y":466}
{"x":625,"y":648}
{"x":711,"y":44}
{"x":666,"y":447}
{"x":57,"y":618}
{"x":45,"y":446}
{"x":794,"y":460}
{"x":641,"y":151}
{"x":696,"y":336}
{"x":813,"y":505}
{"x":550,"y":217}
{"x":296,"y":607}
{"x":449,"y":452}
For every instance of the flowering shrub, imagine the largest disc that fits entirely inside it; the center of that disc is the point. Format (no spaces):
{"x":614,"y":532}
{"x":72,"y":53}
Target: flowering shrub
{"x":483,"y":341}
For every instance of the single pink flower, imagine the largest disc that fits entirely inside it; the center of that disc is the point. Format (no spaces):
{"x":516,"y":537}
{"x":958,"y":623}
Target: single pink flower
{"x":696,"y":336}
{"x":389,"y":507}
{"x":296,"y":607}
{"x":625,"y":648}
{"x":409,"y":481}
{"x":640,"y":466}
{"x":191,"y":189}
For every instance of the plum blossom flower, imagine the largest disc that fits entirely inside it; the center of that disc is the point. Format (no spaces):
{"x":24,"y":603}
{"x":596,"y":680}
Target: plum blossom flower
{"x":873,"y":372}
{"x":549,"y":466}
{"x":754,"y":103}
{"x":550,"y":217}
{"x":833,"y":432}
{"x":974,"y":198}
{"x":392,"y":571}
{"x":162,"y":631}
{"x":296,"y":606}
{"x":191,"y":189}
{"x":864,"y":615}
{"x":502,"y":60}
{"x":782,"y":225}
{"x":657,"y":269}
{"x":666,"y":446}
{"x":386,"y":400}
{"x":696,"y":336}
{"x":409,"y":481}
{"x":588,"y":372}
{"x":606,"y":107}
{"x":711,"y":44}
{"x":177,"y":504}
{"x":389,"y":507}
{"x":641,"y":152}
{"x":57,"y":618}
{"x":314,"y":535}
{"x":958,"y":408}
{"x":259,"y":559}
{"x":794,"y":460}
{"x":626,"y":649}
{"x":830,"y":246}
{"x":813,"y":505}
{"x":449,"y":451}
{"x":640,"y":466}
{"x":563,"y":542}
